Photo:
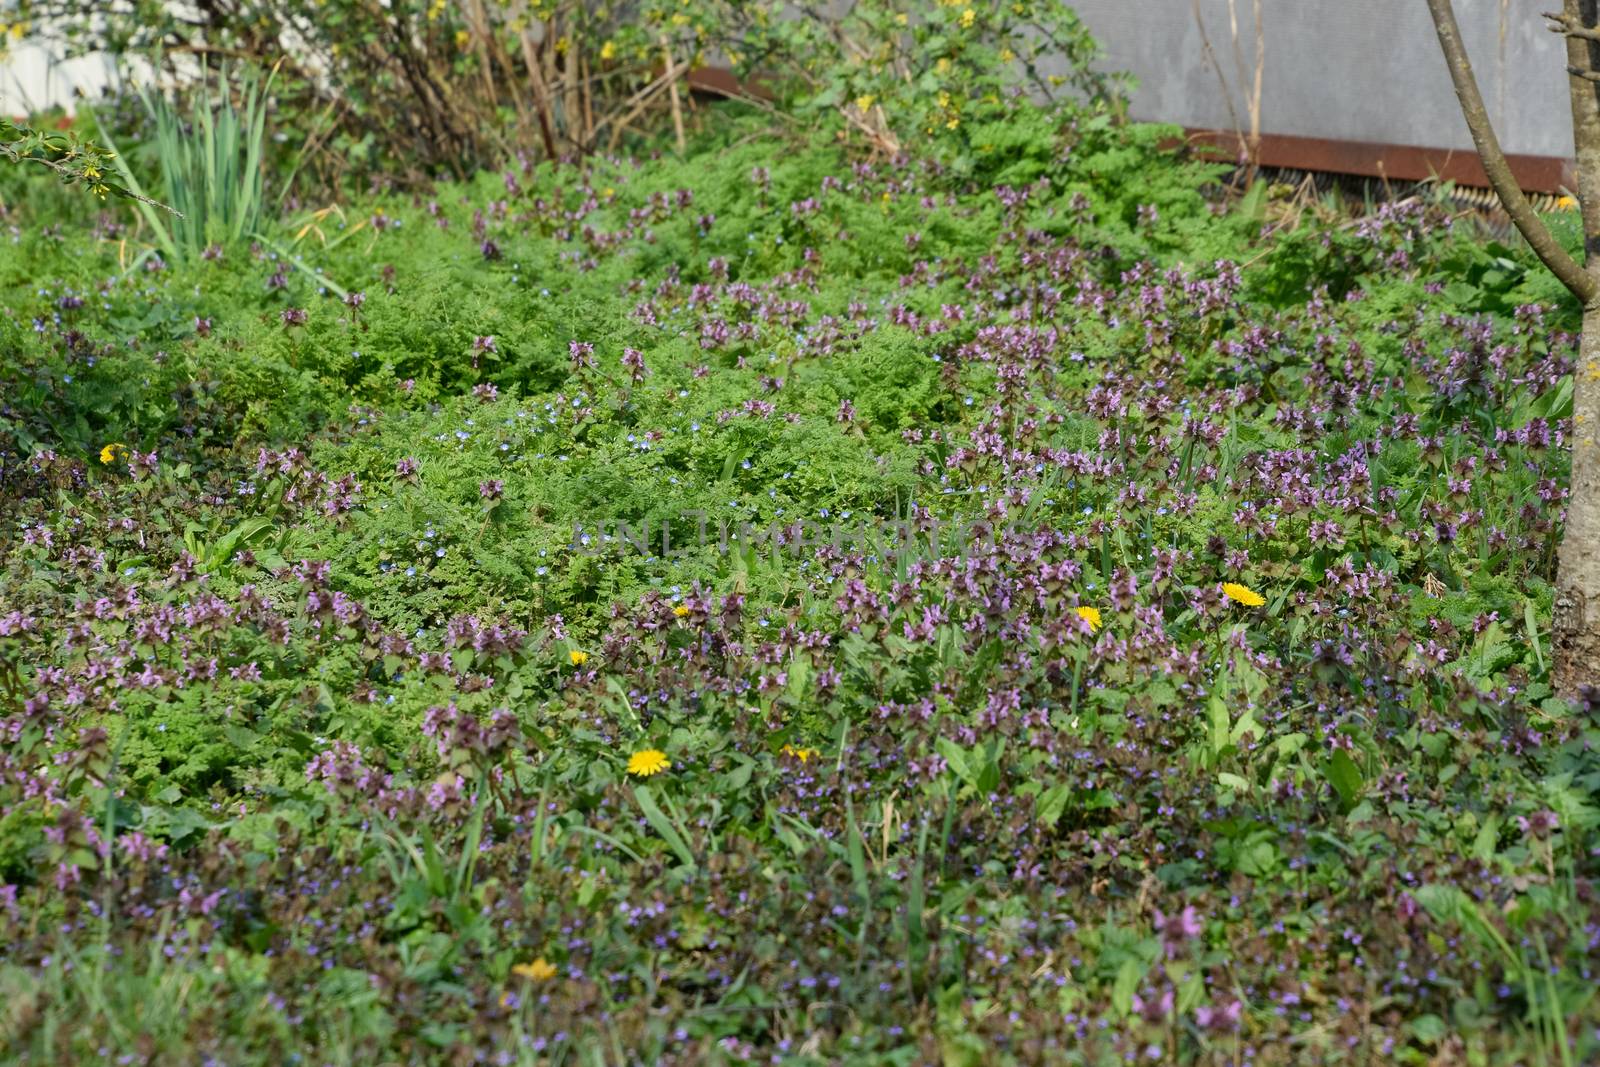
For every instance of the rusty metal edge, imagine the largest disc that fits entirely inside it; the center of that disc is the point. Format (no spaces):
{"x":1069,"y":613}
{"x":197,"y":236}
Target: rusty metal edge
{"x":1409,"y":163}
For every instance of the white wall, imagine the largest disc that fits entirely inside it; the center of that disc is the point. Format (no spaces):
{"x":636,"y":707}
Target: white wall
{"x":29,"y":81}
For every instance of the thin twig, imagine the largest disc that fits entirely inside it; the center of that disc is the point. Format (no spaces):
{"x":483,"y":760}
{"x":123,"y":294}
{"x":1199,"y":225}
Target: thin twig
{"x":672,"y":88}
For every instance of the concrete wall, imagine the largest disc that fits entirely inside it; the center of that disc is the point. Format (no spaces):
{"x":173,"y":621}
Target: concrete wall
{"x":1356,"y":70}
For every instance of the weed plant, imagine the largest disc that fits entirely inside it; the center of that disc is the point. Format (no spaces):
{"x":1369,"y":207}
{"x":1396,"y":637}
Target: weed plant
{"x":340,"y":721}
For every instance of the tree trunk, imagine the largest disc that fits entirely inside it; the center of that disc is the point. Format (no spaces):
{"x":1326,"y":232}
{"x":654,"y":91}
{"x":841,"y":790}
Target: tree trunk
{"x":1577,"y":601}
{"x":1576,"y":616}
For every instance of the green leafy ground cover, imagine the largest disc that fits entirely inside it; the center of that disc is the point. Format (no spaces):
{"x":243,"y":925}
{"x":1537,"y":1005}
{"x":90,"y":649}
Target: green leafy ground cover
{"x":323,"y":658}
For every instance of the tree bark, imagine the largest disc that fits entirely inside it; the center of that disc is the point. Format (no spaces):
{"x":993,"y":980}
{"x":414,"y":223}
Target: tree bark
{"x":1576,"y":621}
{"x":1576,"y":615}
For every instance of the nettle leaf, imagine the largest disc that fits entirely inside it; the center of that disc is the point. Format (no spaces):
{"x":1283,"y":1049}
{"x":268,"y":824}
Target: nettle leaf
{"x":1345,"y":776}
{"x":1052,"y":804}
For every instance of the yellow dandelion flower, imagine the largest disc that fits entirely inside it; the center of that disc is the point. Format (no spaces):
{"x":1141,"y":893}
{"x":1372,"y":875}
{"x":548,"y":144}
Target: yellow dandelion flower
{"x":802,"y":754}
{"x":681,"y":610}
{"x":650,"y":761}
{"x":1091,"y":616}
{"x":108,"y":454}
{"x":968,"y":17}
{"x":865,"y":101}
{"x":1567,"y":203}
{"x":608,"y":51}
{"x":540,"y":970}
{"x":1241,"y":594}
{"x":577,"y":658}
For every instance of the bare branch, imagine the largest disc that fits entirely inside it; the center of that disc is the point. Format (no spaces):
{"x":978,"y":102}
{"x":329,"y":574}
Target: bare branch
{"x":1512,"y":198}
{"x":1586,"y":75}
{"x":1566,"y":28}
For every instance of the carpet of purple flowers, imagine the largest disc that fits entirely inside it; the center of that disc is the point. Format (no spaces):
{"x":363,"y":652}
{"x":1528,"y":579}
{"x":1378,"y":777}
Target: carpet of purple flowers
{"x":353,"y":710}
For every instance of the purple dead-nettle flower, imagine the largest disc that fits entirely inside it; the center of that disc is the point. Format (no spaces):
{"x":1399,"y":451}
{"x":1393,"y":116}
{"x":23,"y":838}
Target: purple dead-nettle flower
{"x":491,"y":489}
{"x":1540,"y":824}
{"x":846,"y":413}
{"x":490,"y":250}
{"x":407,"y":468}
{"x":633,"y":359}
{"x":212,"y":253}
{"x":1219,"y":1018}
{"x":581,"y":353}
{"x":1178,"y":930}
{"x":484,"y":343}
{"x":486,"y":391}
{"x":355,"y":300}
{"x":293,"y":317}
{"x":202,"y":326}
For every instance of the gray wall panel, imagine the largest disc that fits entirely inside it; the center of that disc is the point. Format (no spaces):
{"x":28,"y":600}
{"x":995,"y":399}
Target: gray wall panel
{"x":1357,"y":70}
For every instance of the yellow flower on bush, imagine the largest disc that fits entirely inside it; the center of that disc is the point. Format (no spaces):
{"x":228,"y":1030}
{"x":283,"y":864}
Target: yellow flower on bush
{"x":108,"y":454}
{"x":540,"y":970}
{"x":463,"y":38}
{"x":968,"y":17}
{"x":608,"y":51}
{"x":1090,"y":616}
{"x":650,"y":761}
{"x":865,"y":101}
{"x":577,"y":659}
{"x":1241,"y":594}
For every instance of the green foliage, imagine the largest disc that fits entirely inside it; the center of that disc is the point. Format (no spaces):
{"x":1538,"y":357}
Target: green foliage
{"x":324,"y":644}
{"x":72,"y":159}
{"x":211,"y":169}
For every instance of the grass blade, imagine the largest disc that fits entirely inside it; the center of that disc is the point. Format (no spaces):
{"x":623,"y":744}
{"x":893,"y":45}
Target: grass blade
{"x":663,"y":825}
